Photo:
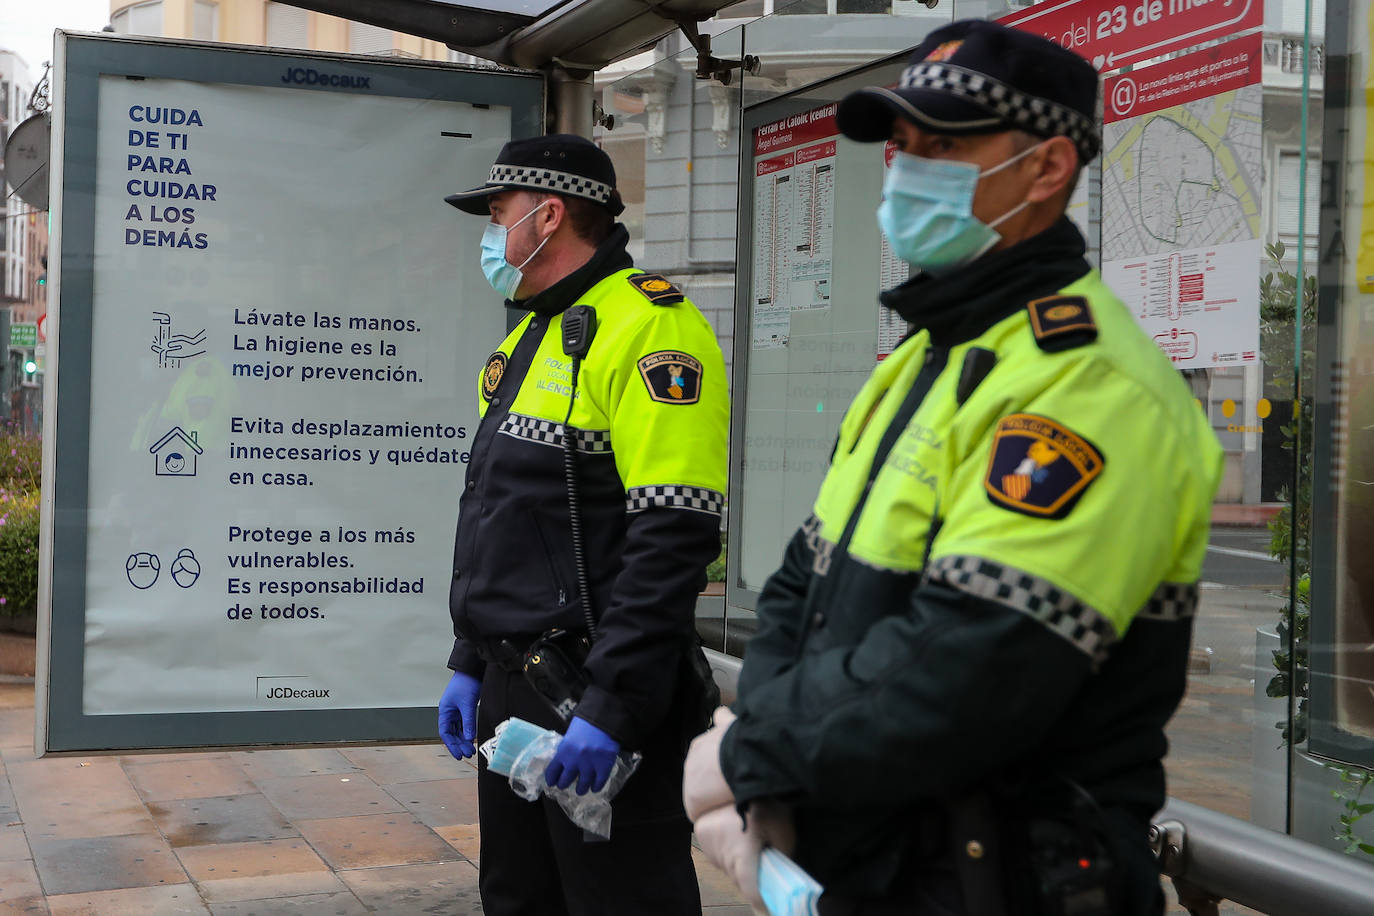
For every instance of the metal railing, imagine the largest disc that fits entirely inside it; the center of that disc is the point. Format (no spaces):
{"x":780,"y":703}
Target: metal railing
{"x":1212,"y":857}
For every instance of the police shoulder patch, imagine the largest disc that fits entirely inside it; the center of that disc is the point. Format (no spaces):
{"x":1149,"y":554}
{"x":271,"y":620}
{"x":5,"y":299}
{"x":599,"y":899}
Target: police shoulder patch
{"x":671,"y":376}
{"x":493,"y":373}
{"x":1062,"y":323}
{"x":1038,"y":467}
{"x":657,"y":289}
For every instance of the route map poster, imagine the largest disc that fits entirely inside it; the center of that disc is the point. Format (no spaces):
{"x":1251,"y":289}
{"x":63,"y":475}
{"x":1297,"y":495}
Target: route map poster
{"x":1182,"y":175}
{"x":794,"y":221}
{"x":287,"y":326}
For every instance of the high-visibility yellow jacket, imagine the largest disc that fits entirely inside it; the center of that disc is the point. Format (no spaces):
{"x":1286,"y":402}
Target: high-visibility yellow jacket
{"x":996,"y":586}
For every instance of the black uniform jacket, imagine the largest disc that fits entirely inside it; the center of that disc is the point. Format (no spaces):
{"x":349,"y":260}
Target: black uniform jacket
{"x":647,"y":540}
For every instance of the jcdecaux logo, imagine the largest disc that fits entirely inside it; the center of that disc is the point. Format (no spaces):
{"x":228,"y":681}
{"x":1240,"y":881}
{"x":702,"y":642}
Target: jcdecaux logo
{"x":307,"y":76}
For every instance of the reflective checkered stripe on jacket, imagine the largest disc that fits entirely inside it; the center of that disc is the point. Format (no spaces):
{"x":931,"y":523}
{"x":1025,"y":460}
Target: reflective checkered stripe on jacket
{"x":547,"y":432}
{"x":698,"y":499}
{"x":1060,"y":611}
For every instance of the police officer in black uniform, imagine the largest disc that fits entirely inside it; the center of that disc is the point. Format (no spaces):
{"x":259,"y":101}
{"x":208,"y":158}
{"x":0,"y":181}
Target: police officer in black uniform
{"x":607,"y":400}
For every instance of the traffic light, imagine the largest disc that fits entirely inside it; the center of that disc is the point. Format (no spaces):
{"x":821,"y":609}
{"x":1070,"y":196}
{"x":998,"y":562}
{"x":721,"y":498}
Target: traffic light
{"x":43,"y":277}
{"x":30,"y":367}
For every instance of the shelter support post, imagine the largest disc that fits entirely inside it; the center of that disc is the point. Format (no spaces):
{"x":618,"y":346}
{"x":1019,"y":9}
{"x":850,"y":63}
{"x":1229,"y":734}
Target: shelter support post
{"x":571,"y":96}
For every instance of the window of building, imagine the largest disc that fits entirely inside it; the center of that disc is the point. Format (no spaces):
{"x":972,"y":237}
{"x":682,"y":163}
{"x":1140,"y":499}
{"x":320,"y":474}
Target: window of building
{"x":286,"y":26}
{"x":804,"y":8}
{"x":1286,"y":16}
{"x":863,"y":6}
{"x":745,"y":9}
{"x":1286,"y":223}
{"x":206,"y":25}
{"x":369,"y":39}
{"x":139,"y":19}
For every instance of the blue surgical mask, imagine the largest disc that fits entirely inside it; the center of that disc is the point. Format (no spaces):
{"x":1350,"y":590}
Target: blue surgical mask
{"x":504,"y":276}
{"x":927,"y":212}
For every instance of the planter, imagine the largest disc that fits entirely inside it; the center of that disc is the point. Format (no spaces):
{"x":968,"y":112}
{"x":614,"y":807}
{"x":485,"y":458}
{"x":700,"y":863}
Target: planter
{"x":24,"y":624}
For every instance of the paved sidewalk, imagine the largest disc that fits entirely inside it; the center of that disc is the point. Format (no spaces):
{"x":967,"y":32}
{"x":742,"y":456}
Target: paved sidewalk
{"x":322,"y":832}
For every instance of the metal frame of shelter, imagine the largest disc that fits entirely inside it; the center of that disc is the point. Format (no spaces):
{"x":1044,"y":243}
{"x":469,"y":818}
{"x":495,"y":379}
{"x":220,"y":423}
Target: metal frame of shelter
{"x":569,"y":41}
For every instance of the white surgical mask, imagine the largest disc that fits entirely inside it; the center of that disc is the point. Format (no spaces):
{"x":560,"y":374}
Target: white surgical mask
{"x":504,"y":276}
{"x":927,"y":212}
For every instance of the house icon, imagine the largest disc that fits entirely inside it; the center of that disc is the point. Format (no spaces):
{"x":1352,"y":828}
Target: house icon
{"x":174,"y":455}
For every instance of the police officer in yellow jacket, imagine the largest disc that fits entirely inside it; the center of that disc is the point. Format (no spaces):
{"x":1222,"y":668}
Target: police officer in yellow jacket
{"x":613,"y":384}
{"x":957,"y":694}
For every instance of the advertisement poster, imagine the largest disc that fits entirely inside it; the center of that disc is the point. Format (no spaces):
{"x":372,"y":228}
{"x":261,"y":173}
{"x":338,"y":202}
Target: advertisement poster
{"x":794,"y":221}
{"x":1112,"y":35}
{"x":1182,"y":187}
{"x":287,"y":327}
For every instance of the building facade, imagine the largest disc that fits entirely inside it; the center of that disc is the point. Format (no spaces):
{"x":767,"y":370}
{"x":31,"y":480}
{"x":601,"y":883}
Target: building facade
{"x":20,"y":249}
{"x":23,"y":257}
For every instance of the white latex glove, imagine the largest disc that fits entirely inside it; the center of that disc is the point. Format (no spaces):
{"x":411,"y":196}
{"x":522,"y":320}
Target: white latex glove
{"x":703,"y":785}
{"x":733,"y":844}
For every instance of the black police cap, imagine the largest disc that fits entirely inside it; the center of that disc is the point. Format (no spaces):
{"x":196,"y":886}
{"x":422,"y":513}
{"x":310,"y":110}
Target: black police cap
{"x":977,"y":77}
{"x":556,"y":163}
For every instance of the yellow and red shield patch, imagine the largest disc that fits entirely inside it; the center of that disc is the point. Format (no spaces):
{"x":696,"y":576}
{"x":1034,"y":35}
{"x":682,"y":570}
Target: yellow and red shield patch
{"x":1038,"y":467}
{"x":493,"y":373}
{"x":671,"y":376}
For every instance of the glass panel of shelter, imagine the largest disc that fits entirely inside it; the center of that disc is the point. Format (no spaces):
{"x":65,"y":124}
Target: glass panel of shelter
{"x":674,"y":140}
{"x":1331,"y":678}
{"x":799,"y":47}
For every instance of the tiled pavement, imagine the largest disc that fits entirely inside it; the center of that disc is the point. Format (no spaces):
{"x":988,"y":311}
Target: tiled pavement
{"x":252,"y":833}
{"x":393,"y":829}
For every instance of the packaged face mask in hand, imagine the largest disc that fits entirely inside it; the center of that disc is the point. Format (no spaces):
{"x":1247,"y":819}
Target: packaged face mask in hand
{"x":512,"y":736}
{"x":786,"y":889}
{"x":521,"y":751}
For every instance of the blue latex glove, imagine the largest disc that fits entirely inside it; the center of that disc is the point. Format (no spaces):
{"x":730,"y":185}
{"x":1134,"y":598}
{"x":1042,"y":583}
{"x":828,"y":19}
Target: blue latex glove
{"x":586,"y":754}
{"x":458,"y":714}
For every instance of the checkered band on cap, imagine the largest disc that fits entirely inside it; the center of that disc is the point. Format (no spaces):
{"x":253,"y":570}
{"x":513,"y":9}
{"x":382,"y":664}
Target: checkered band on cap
{"x":547,"y":432}
{"x":1019,"y":109}
{"x":550,"y":180}
{"x":1037,"y":598}
{"x":673,"y":496}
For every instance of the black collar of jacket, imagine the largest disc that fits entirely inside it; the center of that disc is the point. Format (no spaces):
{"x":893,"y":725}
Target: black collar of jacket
{"x":609,"y":257}
{"x":958,"y":307}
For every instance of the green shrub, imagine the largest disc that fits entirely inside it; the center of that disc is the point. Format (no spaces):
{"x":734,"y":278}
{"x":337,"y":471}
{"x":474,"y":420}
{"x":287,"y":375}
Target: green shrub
{"x":715,"y":572}
{"x":19,"y":553}
{"x":21,"y":460}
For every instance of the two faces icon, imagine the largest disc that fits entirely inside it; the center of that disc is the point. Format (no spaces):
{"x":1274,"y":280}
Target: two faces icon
{"x":143,"y":568}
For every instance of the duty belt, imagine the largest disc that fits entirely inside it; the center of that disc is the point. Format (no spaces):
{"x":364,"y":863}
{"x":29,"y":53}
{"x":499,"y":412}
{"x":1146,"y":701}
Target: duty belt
{"x":505,"y":652}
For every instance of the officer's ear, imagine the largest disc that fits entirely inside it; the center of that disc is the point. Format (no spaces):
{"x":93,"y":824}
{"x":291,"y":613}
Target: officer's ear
{"x":1056,"y":165}
{"x":552,"y":215}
